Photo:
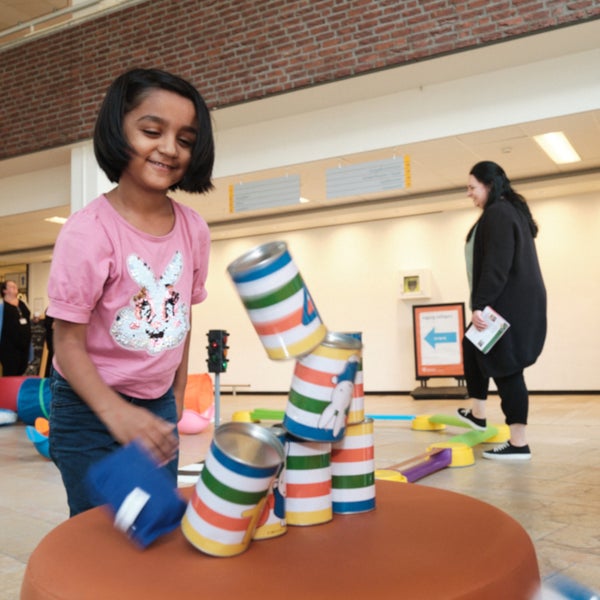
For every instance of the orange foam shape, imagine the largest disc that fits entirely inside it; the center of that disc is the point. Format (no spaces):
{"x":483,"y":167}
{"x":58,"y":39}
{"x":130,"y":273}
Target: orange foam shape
{"x":199,"y":394}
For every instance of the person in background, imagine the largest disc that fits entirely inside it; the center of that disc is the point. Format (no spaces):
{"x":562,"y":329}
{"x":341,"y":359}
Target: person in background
{"x":49,"y":339}
{"x":504,"y":273}
{"x":121,"y":341}
{"x":15,"y":331}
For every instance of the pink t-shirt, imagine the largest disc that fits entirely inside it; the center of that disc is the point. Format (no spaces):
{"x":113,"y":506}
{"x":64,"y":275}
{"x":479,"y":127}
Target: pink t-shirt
{"x":133,"y":290}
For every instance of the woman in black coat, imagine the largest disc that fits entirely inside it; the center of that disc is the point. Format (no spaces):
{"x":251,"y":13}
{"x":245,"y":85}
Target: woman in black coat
{"x":15,"y":334}
{"x":504,"y":273}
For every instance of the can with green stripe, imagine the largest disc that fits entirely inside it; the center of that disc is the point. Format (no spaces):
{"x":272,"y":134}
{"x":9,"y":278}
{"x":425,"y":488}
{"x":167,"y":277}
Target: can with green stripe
{"x":353,"y":470}
{"x":227,"y":501}
{"x":321,"y":390}
{"x":307,"y":482}
{"x":272,"y":521}
{"x":356,"y":412}
{"x":277,"y":301}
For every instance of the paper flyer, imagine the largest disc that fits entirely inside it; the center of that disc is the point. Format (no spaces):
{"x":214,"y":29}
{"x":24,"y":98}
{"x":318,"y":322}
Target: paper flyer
{"x":496,"y":328}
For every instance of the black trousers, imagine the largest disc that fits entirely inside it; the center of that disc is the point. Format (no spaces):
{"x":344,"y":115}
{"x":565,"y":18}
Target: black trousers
{"x":514,"y":397}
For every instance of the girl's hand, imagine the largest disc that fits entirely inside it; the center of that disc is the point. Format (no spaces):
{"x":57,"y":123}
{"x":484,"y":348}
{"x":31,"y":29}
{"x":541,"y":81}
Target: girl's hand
{"x":128,"y":423}
{"x":478,"y":320}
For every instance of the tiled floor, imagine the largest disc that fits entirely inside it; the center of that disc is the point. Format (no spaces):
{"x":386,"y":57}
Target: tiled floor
{"x":556,"y":496}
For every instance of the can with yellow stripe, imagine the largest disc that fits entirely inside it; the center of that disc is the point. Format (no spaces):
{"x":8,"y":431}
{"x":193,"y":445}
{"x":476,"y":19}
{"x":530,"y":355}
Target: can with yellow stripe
{"x":353,"y":470}
{"x":307,"y":479}
{"x":321,"y":389}
{"x":356,"y":413}
{"x":272,"y":520}
{"x":277,"y":301}
{"x":241,"y":463}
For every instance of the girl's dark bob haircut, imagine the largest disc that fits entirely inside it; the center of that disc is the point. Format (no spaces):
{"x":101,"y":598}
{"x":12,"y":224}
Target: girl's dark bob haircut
{"x":127,"y":91}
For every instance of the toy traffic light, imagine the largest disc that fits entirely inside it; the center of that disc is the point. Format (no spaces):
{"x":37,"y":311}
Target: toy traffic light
{"x":217,"y":351}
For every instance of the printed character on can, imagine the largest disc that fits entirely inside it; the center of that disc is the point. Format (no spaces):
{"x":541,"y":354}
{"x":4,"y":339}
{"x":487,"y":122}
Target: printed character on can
{"x":322,"y":388}
{"x":307,"y":482}
{"x":277,"y":301}
{"x":242,"y":461}
{"x":353,"y":470}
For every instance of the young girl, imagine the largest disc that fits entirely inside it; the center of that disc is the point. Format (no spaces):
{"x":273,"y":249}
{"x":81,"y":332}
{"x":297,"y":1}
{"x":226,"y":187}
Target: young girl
{"x":125,"y":272}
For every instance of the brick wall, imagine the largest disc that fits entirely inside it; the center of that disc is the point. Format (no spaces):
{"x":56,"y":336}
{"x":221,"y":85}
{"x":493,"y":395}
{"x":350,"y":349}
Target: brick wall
{"x":238,"y":50}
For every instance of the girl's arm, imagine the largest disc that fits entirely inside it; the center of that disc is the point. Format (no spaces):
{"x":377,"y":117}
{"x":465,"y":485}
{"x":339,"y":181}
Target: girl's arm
{"x":125,"y":421}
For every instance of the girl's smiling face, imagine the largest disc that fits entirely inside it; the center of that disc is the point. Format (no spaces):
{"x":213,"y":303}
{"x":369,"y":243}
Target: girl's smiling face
{"x":161,"y":131}
{"x":477,"y":191}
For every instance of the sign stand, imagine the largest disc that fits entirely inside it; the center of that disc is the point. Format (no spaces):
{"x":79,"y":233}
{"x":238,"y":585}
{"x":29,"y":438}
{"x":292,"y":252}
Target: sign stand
{"x":438,"y":333}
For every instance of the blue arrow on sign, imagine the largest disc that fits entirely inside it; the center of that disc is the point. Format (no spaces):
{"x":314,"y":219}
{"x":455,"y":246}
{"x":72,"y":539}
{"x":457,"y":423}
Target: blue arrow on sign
{"x":433,"y":338}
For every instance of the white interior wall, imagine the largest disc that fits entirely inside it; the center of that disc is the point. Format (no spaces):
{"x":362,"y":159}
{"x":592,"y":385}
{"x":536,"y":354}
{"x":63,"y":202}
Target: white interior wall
{"x":46,"y":188}
{"x":353,"y":274}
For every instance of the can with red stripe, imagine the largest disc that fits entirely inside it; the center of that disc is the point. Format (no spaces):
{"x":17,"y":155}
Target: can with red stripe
{"x":272,"y":521}
{"x":321,"y":389}
{"x":353,"y":470}
{"x":356,"y":413}
{"x":277,"y":301}
{"x":241,"y":463}
{"x":307,"y":482}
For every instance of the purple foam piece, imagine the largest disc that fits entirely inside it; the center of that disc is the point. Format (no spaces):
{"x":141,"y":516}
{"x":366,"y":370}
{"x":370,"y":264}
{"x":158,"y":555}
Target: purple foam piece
{"x":437,"y":461}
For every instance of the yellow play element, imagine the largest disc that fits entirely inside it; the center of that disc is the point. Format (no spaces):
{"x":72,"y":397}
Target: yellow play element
{"x":502,"y":436}
{"x":462,"y":454}
{"x":390,"y":475}
{"x":422,"y":423}
{"x":244,"y":416}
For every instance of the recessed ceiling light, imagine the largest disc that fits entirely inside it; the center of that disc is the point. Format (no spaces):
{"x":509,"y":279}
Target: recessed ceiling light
{"x":304,"y":200}
{"x":557,"y":147}
{"x":58,"y":220}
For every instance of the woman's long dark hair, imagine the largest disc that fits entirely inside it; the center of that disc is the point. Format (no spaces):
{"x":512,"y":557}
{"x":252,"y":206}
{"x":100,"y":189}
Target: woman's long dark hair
{"x":493,"y":176}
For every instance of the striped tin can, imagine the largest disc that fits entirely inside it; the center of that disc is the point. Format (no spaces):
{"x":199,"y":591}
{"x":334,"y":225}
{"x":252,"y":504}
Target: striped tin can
{"x":307,"y":482}
{"x":241,"y":463}
{"x":272,"y":521}
{"x":356,"y":413}
{"x":353,"y":470}
{"x":322,"y":388}
{"x":277,"y":301}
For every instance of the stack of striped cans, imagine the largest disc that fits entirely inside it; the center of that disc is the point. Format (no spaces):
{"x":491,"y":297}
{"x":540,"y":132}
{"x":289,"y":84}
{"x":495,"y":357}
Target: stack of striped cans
{"x":327,"y":463}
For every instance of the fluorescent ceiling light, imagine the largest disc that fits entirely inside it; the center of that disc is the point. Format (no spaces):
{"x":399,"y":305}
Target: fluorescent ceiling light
{"x":58,"y":220}
{"x":304,"y":200}
{"x":557,"y":147}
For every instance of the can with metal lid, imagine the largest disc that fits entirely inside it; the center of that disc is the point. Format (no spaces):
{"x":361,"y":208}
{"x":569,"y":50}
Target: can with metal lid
{"x":277,"y":301}
{"x":241,"y":463}
{"x":353,"y":470}
{"x":321,"y":389}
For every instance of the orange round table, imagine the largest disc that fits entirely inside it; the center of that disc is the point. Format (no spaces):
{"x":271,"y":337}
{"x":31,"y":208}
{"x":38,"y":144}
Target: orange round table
{"x":419,"y":543}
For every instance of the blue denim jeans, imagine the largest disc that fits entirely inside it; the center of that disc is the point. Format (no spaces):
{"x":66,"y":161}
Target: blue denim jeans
{"x":78,"y":438}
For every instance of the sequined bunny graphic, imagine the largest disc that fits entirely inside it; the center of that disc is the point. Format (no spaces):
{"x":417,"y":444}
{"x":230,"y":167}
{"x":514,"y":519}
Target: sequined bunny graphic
{"x":156,"y":320}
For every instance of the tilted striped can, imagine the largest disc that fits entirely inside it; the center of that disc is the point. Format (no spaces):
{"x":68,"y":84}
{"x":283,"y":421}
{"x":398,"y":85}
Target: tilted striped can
{"x":277,"y":301}
{"x":307,"y":482}
{"x":356,"y":413}
{"x":272,"y":521}
{"x":321,"y":389}
{"x":353,"y":470}
{"x":241,"y":463}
